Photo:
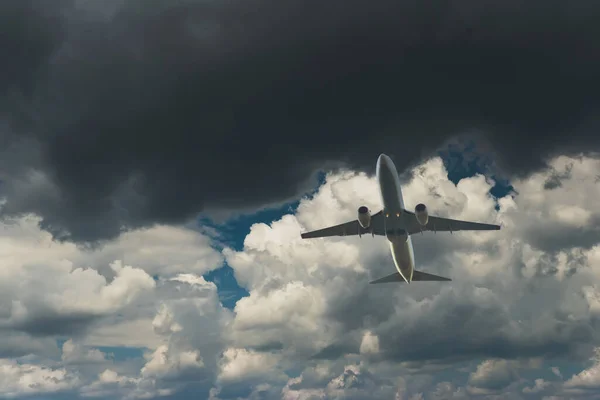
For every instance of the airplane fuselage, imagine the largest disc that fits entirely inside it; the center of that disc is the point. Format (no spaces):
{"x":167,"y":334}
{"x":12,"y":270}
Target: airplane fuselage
{"x":397,"y":224}
{"x":393,"y":206}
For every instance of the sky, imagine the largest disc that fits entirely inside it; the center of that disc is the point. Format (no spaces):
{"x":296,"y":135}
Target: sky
{"x":159,"y":160}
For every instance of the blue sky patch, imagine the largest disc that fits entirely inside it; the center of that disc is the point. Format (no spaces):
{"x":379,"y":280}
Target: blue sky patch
{"x":233,"y":233}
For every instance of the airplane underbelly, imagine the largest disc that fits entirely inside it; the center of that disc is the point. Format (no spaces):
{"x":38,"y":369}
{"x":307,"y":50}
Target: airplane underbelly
{"x":402,"y":254}
{"x":391,"y":200}
{"x":390,"y":190}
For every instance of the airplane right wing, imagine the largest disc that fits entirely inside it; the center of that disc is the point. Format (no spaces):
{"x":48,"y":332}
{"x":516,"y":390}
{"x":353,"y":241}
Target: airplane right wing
{"x":440,"y":224}
{"x":377,"y":227}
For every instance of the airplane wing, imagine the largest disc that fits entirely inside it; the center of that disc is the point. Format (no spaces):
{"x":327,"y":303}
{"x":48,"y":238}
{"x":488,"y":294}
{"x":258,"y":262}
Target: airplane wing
{"x":350,"y":228}
{"x":439,"y":224}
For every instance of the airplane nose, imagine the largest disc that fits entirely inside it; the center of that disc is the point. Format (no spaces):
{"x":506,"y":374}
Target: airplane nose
{"x":383,"y":159}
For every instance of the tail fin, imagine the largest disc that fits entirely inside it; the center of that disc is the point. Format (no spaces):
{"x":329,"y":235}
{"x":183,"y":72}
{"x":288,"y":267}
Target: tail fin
{"x":418,"y":276}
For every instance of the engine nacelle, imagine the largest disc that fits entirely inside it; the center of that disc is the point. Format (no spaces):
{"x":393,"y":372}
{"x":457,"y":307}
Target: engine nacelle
{"x":364,"y":217}
{"x":421,"y":214}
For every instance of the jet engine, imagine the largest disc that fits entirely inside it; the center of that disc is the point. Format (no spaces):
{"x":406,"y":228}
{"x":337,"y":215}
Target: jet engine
{"x":364,"y":217}
{"x":421,"y":214}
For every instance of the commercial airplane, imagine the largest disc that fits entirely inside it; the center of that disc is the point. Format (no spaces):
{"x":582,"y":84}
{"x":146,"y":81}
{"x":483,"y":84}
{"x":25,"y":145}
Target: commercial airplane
{"x":398,"y":224}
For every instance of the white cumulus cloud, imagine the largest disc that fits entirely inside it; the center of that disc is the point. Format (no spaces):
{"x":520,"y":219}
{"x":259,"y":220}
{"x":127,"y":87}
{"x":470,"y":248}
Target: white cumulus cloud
{"x":522,"y":298}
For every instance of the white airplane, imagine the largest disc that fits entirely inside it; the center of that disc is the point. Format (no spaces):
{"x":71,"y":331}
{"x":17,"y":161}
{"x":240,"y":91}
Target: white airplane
{"x":398,"y":224}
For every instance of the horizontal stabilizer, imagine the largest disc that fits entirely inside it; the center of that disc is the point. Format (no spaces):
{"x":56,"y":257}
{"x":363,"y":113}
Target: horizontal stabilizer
{"x":395,"y":277}
{"x":424,"y":276}
{"x":418,"y":276}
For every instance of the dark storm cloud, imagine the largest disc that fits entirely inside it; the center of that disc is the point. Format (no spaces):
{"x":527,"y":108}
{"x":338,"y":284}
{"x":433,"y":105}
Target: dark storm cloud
{"x":150,"y":111}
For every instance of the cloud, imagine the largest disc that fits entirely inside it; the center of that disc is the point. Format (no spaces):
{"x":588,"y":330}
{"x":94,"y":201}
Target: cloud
{"x":311,"y":326}
{"x":582,"y":385}
{"x":109,"y":383}
{"x":540,"y":386}
{"x":135,"y":332}
{"x":493,"y":376}
{"x":481,"y":314}
{"x":84,"y":298}
{"x":353,"y":381}
{"x":587,"y":380}
{"x":191,"y":320}
{"x":122,"y":114}
{"x":75,"y":353}
{"x":26,"y":380}
{"x":163,"y":250}
{"x":72,"y":302}
{"x":50,"y":288}
{"x":241,"y":363}
{"x":162,"y":365}
{"x":564,"y":217}
{"x":369,"y":344}
{"x":447,"y":390}
{"x":514,"y":300}
{"x":556,"y":371}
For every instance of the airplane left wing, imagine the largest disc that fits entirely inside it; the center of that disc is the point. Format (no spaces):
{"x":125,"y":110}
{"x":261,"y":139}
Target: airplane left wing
{"x":440,"y":224}
{"x":350,"y":228}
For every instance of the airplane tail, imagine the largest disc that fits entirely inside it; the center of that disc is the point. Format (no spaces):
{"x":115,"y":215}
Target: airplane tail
{"x":418,"y":276}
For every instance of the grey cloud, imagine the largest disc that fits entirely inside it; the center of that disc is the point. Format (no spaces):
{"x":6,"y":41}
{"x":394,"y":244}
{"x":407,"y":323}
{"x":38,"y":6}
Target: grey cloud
{"x":268,"y":347}
{"x":147,"y":112}
{"x":49,"y":322}
{"x":32,"y":32}
{"x":355,"y":382}
{"x":462,"y":326}
{"x":494,"y":375}
{"x":447,"y":390}
{"x":345,"y":345}
{"x":470,"y":326}
{"x":507,"y":300}
{"x":200,"y":321}
{"x":14,"y":345}
{"x":555,"y":180}
{"x":552,"y":236}
{"x":235,"y":391}
{"x":360,"y":306}
{"x":548,"y":264}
